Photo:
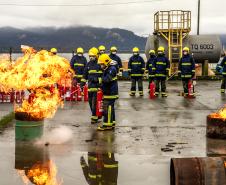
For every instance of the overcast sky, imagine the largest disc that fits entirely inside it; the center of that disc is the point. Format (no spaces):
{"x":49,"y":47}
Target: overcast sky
{"x":137,"y":17}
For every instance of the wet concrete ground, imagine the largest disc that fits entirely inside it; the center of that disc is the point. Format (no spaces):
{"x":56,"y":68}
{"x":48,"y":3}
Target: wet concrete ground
{"x":144,"y":127}
{"x":5,"y":109}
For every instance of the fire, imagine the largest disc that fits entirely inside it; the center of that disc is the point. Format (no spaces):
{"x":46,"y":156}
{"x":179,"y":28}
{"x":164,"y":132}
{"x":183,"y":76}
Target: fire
{"x":36,"y":72}
{"x":41,"y":174}
{"x":221,"y":114}
{"x":43,"y":105}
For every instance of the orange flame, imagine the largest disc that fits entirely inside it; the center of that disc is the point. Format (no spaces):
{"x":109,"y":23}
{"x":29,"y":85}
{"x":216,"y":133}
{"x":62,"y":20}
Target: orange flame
{"x":41,"y":174}
{"x":221,"y":114}
{"x":36,"y":72}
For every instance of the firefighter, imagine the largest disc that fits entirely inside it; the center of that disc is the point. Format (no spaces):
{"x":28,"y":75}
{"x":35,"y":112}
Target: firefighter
{"x":186,"y":69}
{"x":136,"y":69}
{"x":53,"y":51}
{"x":110,"y":92}
{"x":222,"y":68}
{"x":101,"y":49}
{"x":113,"y":55}
{"x":102,"y":168}
{"x":78,"y":64}
{"x":161,"y":68}
{"x":92,"y":74}
{"x":149,"y":66}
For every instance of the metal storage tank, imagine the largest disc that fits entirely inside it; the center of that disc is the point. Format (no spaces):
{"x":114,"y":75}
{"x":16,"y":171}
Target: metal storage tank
{"x":203,"y":47}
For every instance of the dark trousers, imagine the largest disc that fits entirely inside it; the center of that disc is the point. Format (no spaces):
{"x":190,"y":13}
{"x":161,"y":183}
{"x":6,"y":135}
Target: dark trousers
{"x":160,"y":84}
{"x":150,"y":80}
{"x":109,"y":112}
{"x":134,"y":81}
{"x":185,"y":82}
{"x":92,"y":104}
{"x":223,"y":83}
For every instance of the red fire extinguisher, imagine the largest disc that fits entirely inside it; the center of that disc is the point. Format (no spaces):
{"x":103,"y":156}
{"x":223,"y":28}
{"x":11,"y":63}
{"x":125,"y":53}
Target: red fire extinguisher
{"x":79,"y":93}
{"x":152,"y":90}
{"x":31,"y":98}
{"x":190,"y":89}
{"x":85,"y":91}
{"x":99,"y":106}
{"x":18,"y":97}
{"x":73,"y":93}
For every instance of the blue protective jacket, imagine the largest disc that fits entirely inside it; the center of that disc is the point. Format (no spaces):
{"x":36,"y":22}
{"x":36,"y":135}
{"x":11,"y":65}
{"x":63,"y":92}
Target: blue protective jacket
{"x":161,"y":67}
{"x":118,"y":60}
{"x":136,"y":66}
{"x":223,"y":66}
{"x":186,"y":66}
{"x":92,"y":74}
{"x":110,"y":83}
{"x":149,"y":66}
{"x":78,"y":64}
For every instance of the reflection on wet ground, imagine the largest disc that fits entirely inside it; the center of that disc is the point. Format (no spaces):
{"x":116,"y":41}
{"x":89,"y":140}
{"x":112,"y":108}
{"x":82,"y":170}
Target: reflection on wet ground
{"x":148,"y":134}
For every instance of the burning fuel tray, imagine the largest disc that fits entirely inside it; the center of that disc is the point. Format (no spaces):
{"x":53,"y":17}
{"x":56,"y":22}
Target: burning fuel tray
{"x":216,"y":127}
{"x":24,"y":116}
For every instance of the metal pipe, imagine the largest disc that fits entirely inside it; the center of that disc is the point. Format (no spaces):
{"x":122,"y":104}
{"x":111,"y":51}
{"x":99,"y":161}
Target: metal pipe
{"x":10,"y":54}
{"x":198,"y":26}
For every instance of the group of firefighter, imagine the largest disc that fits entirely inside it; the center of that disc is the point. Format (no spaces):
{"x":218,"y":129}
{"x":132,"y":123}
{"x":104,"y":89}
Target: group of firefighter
{"x":102,"y":71}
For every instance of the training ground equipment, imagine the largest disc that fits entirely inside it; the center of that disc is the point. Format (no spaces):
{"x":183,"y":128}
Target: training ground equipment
{"x":190,"y":89}
{"x":152,"y":90}
{"x":99,"y":105}
{"x":85,"y":93}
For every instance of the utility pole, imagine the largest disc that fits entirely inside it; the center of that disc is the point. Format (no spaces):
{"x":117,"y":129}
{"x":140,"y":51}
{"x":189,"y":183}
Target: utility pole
{"x":198,"y":26}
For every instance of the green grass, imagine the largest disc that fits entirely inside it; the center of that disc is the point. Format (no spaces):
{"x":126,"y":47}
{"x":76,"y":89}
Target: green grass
{"x":4,"y":121}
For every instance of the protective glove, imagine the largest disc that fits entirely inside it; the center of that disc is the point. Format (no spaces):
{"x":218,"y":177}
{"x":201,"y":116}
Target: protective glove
{"x":179,"y":74}
{"x":120,"y":74}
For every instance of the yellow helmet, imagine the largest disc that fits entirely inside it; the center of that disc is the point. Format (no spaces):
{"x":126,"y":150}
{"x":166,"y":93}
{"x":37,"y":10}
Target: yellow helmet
{"x":80,"y":50}
{"x":152,"y":51}
{"x":161,"y":49}
{"x":93,"y":52}
{"x":102,"y":48}
{"x":186,"y":49}
{"x":136,"y":50}
{"x":113,"y":48}
{"x":53,"y":50}
{"x":104,"y":59}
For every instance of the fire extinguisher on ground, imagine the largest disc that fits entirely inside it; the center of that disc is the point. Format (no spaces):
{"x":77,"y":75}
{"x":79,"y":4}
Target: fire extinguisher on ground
{"x":99,"y":105}
{"x":190,"y":89}
{"x":152,"y":90}
{"x":79,"y":93}
{"x":85,"y":91}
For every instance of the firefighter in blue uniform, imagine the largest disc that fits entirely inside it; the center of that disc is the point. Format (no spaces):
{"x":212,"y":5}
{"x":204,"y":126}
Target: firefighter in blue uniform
{"x":222,"y":69}
{"x":78,"y":64}
{"x":161,"y":69}
{"x":113,"y":55}
{"x":92,"y":74}
{"x":136,"y":69}
{"x":102,"y":49}
{"x":186,"y":69}
{"x":110,"y":91}
{"x":149,"y":66}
